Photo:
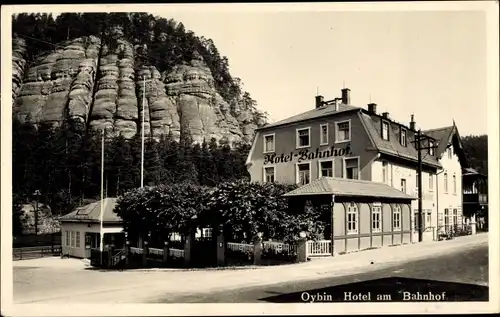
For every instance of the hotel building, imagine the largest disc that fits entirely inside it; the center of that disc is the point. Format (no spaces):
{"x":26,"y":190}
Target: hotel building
{"x":340,"y":140}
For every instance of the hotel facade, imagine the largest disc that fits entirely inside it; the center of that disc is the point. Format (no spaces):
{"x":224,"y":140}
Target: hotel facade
{"x":336,"y":139}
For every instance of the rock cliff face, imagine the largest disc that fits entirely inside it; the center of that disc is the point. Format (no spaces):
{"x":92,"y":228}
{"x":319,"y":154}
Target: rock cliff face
{"x":101,"y":86}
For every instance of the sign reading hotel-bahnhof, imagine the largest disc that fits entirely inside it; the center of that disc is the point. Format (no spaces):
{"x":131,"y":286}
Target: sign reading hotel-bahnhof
{"x":305,"y":154}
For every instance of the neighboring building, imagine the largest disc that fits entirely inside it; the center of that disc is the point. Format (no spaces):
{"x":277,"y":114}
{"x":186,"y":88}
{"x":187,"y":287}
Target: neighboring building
{"x":81,"y":229}
{"x":475,"y":197}
{"x":364,"y":214}
{"x":453,"y":160}
{"x":341,"y":140}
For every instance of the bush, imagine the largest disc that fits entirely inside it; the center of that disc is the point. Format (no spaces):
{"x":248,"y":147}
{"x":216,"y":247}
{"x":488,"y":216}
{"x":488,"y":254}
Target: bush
{"x":161,"y":210}
{"x":288,"y":256}
{"x":242,"y":209}
{"x":239,"y":256}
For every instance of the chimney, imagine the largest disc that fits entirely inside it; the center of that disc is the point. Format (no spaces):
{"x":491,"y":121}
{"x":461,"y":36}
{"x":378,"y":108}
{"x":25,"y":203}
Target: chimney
{"x":336,"y":104}
{"x":412,"y":123}
{"x":319,"y":101}
{"x":372,"y":108}
{"x":385,"y":115}
{"x":346,"y":97}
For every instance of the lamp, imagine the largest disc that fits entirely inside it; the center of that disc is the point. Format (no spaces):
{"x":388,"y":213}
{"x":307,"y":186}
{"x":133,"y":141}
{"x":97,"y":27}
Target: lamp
{"x":302,"y":234}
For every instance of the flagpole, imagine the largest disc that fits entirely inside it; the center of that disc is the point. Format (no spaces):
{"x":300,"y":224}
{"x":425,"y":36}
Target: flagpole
{"x":142,"y":126}
{"x":101,"y":216}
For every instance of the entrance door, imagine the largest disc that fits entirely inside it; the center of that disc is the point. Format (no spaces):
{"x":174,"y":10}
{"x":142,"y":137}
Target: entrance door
{"x":204,"y":250}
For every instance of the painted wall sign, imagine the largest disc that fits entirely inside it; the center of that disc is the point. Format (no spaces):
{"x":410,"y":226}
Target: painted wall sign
{"x":305,"y":154}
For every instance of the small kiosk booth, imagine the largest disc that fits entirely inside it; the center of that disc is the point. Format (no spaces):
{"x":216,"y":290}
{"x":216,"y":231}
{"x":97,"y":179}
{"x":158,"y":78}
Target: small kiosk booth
{"x":81,"y":229}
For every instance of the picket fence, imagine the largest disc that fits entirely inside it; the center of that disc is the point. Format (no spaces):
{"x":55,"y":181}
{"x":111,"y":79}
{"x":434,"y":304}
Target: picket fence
{"x":319,"y":248}
{"x":176,"y":253}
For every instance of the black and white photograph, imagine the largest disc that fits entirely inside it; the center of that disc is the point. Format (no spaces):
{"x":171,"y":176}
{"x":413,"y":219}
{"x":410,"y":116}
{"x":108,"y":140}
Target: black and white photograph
{"x":255,"y":158}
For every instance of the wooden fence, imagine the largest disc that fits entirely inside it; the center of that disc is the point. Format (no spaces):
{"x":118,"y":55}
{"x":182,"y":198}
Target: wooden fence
{"x":319,"y":248}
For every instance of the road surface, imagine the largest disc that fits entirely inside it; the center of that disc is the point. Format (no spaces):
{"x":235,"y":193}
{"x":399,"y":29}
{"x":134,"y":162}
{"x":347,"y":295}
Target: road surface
{"x":461,"y":276}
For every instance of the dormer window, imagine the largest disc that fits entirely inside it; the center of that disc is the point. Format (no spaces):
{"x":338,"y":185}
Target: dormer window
{"x":402,"y":137}
{"x":385,"y":130}
{"x":431,"y":147}
{"x":449,"y":153}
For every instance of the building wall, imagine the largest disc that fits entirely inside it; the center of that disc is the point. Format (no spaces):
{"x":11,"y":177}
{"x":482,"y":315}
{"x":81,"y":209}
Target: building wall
{"x":365,"y":237}
{"x":395,"y":172}
{"x":75,"y":249}
{"x":450,"y":199}
{"x":288,"y":154}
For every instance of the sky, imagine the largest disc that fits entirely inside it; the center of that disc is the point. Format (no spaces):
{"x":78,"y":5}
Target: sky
{"x":428,"y":63}
{"x":431,"y":64}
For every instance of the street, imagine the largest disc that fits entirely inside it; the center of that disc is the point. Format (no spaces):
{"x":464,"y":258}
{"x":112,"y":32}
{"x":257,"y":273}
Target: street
{"x":463,"y":276}
{"x":462,"y":260}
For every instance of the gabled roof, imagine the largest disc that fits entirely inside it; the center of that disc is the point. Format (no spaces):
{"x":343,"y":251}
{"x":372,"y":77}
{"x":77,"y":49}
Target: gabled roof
{"x":348,"y":187}
{"x":393,"y":146}
{"x":92,"y":212}
{"x":312,"y":114}
{"x":445,"y":136}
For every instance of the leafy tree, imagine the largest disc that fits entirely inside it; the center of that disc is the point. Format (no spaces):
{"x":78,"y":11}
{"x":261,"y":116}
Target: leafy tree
{"x":17,"y":212}
{"x":476,"y":148}
{"x":161,"y":210}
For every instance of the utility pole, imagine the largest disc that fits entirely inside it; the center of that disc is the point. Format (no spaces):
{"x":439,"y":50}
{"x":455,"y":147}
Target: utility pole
{"x":418,"y":145}
{"x":419,"y":180}
{"x":36,"y":194}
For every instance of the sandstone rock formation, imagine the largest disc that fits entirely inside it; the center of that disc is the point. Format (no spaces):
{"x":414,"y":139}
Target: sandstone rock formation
{"x":18,"y":64}
{"x":60,"y":86}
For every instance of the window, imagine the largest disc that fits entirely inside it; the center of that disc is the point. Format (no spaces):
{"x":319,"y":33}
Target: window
{"x":93,"y":239}
{"x":402,"y":137}
{"x":352,"y":218}
{"x":431,"y":182}
{"x":326,"y":169}
{"x":396,"y":218}
{"x":416,"y":224}
{"x":449,"y":152}
{"x":67,"y":238}
{"x":303,"y":137}
{"x":324,"y":134}
{"x":207,"y":232}
{"x":352,"y":168}
{"x":431,"y":147}
{"x":343,"y":131}
{"x":269,"y":174}
{"x":73,"y":236}
{"x":455,"y":217}
{"x":376,"y":212}
{"x":269,"y":143}
{"x":303,"y":173}
{"x":385,"y":170}
{"x":446,"y":219}
{"x":77,"y":244}
{"x":403,"y":185}
{"x":417,"y":182}
{"x":446,"y":183}
{"x":385,"y":130}
{"x":454,"y":184}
